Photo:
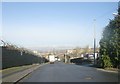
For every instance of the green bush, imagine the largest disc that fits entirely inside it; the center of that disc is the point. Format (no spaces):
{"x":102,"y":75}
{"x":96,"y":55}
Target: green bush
{"x":106,"y":62}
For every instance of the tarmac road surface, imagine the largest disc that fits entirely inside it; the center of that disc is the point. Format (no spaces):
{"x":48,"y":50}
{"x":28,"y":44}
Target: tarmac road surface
{"x":61,"y":72}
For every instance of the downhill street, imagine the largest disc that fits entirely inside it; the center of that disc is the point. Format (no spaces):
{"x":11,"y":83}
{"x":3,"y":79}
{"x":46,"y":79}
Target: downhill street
{"x":60,"y":72}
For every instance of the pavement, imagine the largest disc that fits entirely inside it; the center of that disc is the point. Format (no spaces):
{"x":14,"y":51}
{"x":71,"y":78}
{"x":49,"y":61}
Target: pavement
{"x":17,"y":73}
{"x":13,"y":70}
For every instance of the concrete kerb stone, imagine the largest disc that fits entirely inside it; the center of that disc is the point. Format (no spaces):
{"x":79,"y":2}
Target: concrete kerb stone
{"x":106,"y":70}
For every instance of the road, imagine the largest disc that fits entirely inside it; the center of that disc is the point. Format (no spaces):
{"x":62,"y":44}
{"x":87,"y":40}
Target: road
{"x":60,"y":72}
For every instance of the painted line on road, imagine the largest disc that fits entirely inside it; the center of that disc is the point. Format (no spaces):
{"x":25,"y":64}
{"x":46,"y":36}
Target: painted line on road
{"x":88,"y":78}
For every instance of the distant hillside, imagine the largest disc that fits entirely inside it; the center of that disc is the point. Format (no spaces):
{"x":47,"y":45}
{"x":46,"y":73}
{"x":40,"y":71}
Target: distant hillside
{"x":50,"y":49}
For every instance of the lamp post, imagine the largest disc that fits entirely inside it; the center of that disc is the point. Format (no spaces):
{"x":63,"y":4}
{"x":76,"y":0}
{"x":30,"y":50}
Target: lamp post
{"x":94,"y":41}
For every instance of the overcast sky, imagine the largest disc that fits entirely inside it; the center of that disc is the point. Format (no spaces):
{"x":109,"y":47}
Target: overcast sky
{"x":54,"y":24}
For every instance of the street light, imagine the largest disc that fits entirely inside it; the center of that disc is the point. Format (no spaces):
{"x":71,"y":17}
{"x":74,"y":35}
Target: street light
{"x":115,"y":14}
{"x":94,"y":40}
